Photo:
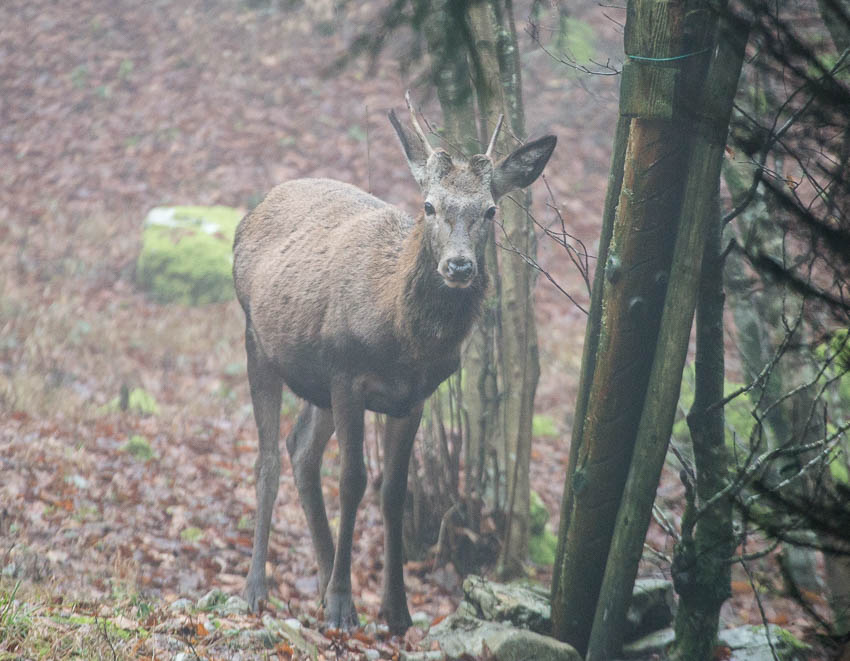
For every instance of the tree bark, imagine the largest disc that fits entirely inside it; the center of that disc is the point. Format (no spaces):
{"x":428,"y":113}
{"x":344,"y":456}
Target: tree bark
{"x":451,"y":75}
{"x":836,"y":17}
{"x":640,"y":249}
{"x":476,"y":43}
{"x":701,"y":565}
{"x":591,"y":337}
{"x":520,"y":360}
{"x":500,"y":92}
{"x":709,"y":113}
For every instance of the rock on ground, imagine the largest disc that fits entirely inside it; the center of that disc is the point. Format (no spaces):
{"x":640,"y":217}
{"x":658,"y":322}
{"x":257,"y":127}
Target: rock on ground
{"x":186,"y":254}
{"x":651,"y":609}
{"x":748,"y":643}
{"x":751,"y":644}
{"x":525,"y":606}
{"x":461,"y":636}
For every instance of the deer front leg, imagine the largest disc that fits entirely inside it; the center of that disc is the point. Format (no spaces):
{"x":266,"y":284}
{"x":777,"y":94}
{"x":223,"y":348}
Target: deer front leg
{"x":266,"y":388}
{"x":347,"y":403}
{"x":398,"y":443}
{"x":306,"y":445}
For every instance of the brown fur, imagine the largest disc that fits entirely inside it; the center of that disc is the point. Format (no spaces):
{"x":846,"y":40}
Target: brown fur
{"x":322,"y":264}
{"x":355,"y":305}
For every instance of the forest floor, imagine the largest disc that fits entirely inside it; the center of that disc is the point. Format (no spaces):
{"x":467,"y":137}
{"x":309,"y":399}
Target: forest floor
{"x":109,"y":109}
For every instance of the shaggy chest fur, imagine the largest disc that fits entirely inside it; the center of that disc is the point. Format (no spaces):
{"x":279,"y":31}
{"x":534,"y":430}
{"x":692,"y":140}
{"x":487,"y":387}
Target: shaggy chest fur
{"x":398,"y":362}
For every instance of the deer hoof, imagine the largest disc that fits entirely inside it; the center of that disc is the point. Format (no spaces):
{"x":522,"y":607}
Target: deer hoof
{"x":340,"y":612}
{"x":397,"y":618}
{"x":255,"y":592}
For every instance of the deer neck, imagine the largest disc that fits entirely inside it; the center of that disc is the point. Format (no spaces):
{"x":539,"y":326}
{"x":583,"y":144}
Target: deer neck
{"x":431,"y":314}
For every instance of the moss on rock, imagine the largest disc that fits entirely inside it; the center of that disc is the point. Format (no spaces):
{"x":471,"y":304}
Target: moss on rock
{"x":186,"y":254}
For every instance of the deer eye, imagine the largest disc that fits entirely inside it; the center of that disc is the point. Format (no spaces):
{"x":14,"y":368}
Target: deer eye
{"x":429,"y":209}
{"x":490,"y":213}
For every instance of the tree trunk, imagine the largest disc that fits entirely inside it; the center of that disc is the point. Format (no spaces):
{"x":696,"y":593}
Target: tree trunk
{"x":519,"y":351}
{"x":710,"y":111}
{"x":701,"y":565}
{"x":640,"y":249}
{"x":476,"y":42}
{"x":591,"y":336}
{"x":499,"y":87}
{"x":450,"y":74}
{"x":836,"y":17}
{"x":629,"y":392}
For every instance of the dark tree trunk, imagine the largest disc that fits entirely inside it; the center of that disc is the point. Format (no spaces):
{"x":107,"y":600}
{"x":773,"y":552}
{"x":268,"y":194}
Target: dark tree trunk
{"x":475,"y":59}
{"x":634,"y":390}
{"x":699,"y":218}
{"x":701,"y":566}
{"x":640,"y":249}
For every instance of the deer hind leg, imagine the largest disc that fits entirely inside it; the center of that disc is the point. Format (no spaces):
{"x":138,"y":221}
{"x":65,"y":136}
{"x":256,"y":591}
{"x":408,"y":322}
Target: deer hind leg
{"x":306,"y":445}
{"x":347,"y":403}
{"x":266,"y":387}
{"x":398,"y":443}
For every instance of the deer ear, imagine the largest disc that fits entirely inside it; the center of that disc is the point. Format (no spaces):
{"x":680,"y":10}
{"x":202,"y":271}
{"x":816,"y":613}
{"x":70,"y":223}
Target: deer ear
{"x":521,"y":167}
{"x":414,"y":150}
{"x":439,"y":164}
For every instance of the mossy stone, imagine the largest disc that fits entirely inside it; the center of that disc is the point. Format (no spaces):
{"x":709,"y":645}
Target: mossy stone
{"x":187,"y":254}
{"x":139,"y":447}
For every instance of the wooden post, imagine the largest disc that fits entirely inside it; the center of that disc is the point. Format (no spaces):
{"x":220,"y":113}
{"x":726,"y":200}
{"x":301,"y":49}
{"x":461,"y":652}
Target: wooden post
{"x":635,"y":279}
{"x":659,"y":82}
{"x":709,"y":116}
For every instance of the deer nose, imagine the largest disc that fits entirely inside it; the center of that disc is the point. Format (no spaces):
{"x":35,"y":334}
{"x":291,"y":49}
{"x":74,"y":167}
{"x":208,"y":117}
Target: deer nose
{"x":460,"y":269}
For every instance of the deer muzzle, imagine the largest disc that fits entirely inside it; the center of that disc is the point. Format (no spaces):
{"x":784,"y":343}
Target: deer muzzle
{"x":458,"y":271}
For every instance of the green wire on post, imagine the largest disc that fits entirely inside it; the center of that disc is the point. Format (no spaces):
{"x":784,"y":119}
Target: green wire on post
{"x":667,"y":59}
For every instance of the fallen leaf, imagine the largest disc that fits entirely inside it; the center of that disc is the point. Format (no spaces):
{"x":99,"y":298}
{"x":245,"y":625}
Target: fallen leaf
{"x":363,"y":637}
{"x":437,"y":620}
{"x":721,"y":653}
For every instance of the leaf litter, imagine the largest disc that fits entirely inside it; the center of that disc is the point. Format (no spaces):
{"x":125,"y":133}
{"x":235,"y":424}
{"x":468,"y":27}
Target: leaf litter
{"x":111,"y":514}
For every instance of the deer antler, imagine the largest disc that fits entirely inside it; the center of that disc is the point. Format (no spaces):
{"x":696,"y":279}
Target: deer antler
{"x":489,"y":152}
{"x":428,"y":148}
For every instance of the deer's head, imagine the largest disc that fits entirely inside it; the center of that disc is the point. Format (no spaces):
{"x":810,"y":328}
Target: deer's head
{"x":460,"y":196}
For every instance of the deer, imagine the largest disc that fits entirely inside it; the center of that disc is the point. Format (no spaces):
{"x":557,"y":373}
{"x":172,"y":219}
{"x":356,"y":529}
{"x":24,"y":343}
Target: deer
{"x":358,"y":306}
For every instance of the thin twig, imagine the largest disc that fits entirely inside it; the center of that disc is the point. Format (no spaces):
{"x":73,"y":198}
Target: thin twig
{"x":607,"y":69}
{"x":664,"y":523}
{"x":106,"y":636}
{"x":509,"y":247}
{"x":755,"y":555}
{"x":761,"y":610}
{"x":776,"y":137}
{"x":666,"y":559}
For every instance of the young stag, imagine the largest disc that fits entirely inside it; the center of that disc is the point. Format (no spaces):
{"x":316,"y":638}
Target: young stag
{"x":355,"y":305}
